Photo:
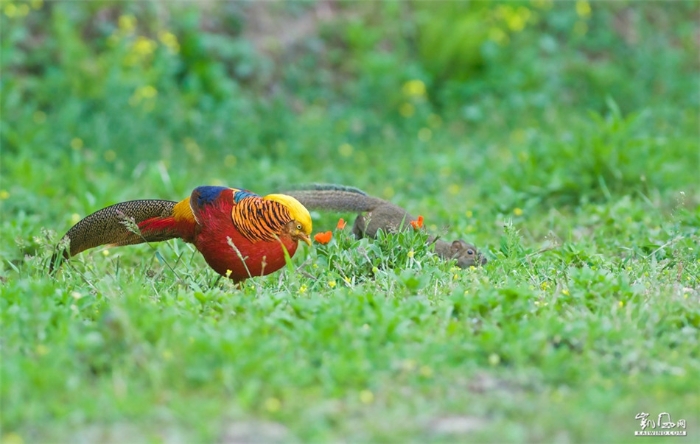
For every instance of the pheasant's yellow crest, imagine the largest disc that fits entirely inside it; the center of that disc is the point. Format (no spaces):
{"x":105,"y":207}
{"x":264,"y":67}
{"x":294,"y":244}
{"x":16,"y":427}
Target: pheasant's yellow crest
{"x":296,"y":210}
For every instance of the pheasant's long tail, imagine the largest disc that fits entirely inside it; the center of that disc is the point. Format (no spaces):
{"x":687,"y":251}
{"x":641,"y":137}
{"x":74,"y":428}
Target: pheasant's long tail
{"x":125,"y":223}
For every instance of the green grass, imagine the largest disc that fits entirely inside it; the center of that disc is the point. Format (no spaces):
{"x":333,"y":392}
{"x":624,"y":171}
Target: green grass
{"x":533,"y":345}
{"x":574,"y":172}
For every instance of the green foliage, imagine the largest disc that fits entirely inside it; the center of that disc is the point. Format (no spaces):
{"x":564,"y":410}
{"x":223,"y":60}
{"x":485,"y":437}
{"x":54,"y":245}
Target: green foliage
{"x":451,"y":36}
{"x":353,"y":261}
{"x":558,"y":137}
{"x":612,"y":154}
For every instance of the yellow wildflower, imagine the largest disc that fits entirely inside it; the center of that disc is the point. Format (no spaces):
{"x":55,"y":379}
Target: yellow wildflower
{"x":515,"y":22}
{"x":366,"y":397}
{"x":10,"y":10}
{"x":345,"y":150}
{"x":127,"y":23}
{"x":414,"y":88}
{"x":143,"y":92}
{"x":583,"y":9}
{"x":12,"y":438}
{"x":76,"y":143}
{"x":169,"y":40}
{"x":147,"y":92}
{"x":272,"y":404}
{"x":407,"y":110}
{"x":144,"y":46}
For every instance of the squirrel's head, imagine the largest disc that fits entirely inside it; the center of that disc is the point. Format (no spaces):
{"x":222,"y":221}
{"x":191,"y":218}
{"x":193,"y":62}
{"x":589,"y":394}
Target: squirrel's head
{"x":466,"y":254}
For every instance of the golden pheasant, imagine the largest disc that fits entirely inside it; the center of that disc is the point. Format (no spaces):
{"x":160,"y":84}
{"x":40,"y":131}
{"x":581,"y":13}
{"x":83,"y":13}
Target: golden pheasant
{"x":239,"y":233}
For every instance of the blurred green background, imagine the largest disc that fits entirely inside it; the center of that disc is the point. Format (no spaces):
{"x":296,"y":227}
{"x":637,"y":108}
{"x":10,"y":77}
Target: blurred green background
{"x":562,"y":138}
{"x":497,"y":104}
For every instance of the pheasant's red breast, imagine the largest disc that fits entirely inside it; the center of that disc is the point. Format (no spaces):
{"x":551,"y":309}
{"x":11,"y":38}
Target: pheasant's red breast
{"x":225,"y":248}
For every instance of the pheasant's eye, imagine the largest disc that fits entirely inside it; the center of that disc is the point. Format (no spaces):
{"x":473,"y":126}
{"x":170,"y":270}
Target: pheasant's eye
{"x":470,"y":251}
{"x":298,"y":226}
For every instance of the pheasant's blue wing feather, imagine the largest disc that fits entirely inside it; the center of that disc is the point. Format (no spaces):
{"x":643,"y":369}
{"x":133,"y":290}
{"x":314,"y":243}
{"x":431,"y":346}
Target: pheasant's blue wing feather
{"x":205,"y":195}
{"x":239,"y":195}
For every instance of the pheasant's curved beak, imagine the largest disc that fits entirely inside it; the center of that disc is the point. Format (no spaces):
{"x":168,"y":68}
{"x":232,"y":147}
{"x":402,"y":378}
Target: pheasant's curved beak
{"x":305,"y":238}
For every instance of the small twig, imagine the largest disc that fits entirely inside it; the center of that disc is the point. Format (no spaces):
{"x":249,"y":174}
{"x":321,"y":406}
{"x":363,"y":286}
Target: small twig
{"x":300,"y":269}
{"x":434,"y":239}
{"x":363,"y":252}
{"x":307,"y":274}
{"x":672,"y":241}
{"x":240,"y":256}
{"x":130,"y":224}
{"x":83,"y":277}
{"x":543,"y":250}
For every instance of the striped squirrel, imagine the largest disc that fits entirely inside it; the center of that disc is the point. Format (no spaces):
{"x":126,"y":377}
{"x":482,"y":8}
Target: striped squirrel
{"x":378,"y":214}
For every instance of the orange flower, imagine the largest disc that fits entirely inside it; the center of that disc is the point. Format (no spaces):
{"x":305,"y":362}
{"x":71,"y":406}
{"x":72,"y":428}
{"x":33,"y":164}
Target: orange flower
{"x":323,"y":238}
{"x":418,"y":223}
{"x":341,"y":224}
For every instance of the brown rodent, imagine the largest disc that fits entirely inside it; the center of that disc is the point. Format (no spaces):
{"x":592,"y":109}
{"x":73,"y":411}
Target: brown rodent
{"x":380,"y":215}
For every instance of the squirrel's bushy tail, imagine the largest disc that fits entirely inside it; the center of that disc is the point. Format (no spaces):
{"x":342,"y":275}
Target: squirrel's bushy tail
{"x":328,"y":187}
{"x":334,"y":198}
